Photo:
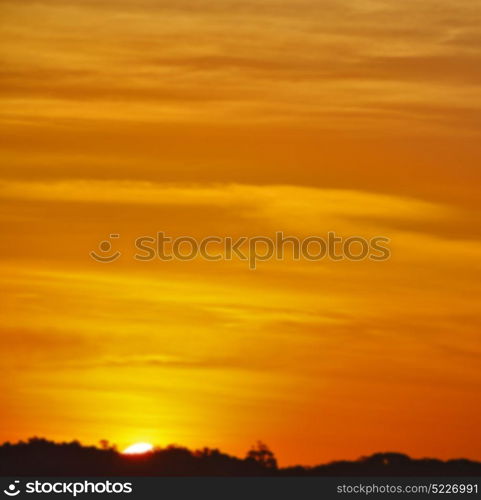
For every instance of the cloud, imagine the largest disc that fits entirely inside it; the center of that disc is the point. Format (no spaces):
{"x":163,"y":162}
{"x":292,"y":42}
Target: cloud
{"x":332,"y":63}
{"x":251,"y":209}
{"x":267,"y":200}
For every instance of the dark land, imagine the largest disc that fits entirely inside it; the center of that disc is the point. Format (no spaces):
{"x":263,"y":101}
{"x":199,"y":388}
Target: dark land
{"x":41,"y":457}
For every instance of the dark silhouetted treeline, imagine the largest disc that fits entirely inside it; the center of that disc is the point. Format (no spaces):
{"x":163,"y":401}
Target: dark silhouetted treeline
{"x":40,"y":457}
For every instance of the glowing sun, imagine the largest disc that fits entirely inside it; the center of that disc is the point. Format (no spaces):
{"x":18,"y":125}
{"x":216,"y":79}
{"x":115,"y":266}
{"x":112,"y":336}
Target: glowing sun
{"x":138,"y":449}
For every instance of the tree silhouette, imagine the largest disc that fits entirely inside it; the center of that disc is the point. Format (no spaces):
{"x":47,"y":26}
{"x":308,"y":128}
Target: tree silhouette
{"x":261,"y":454}
{"x":41,"y":457}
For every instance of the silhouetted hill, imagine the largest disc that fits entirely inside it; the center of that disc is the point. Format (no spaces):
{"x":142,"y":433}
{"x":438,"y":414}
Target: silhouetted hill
{"x":40,"y":457}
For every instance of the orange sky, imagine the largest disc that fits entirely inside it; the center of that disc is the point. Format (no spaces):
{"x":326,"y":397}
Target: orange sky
{"x":242,"y":118}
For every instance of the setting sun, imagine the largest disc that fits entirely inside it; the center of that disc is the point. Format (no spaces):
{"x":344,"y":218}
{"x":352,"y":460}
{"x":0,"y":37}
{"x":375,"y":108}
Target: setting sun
{"x":138,"y":449}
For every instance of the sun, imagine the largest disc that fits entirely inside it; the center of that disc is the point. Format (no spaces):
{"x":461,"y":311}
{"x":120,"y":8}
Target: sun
{"x":138,"y":449}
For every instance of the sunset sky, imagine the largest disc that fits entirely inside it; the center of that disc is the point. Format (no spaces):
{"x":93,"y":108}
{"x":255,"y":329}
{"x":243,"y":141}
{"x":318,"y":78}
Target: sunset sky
{"x":232,"y":118}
